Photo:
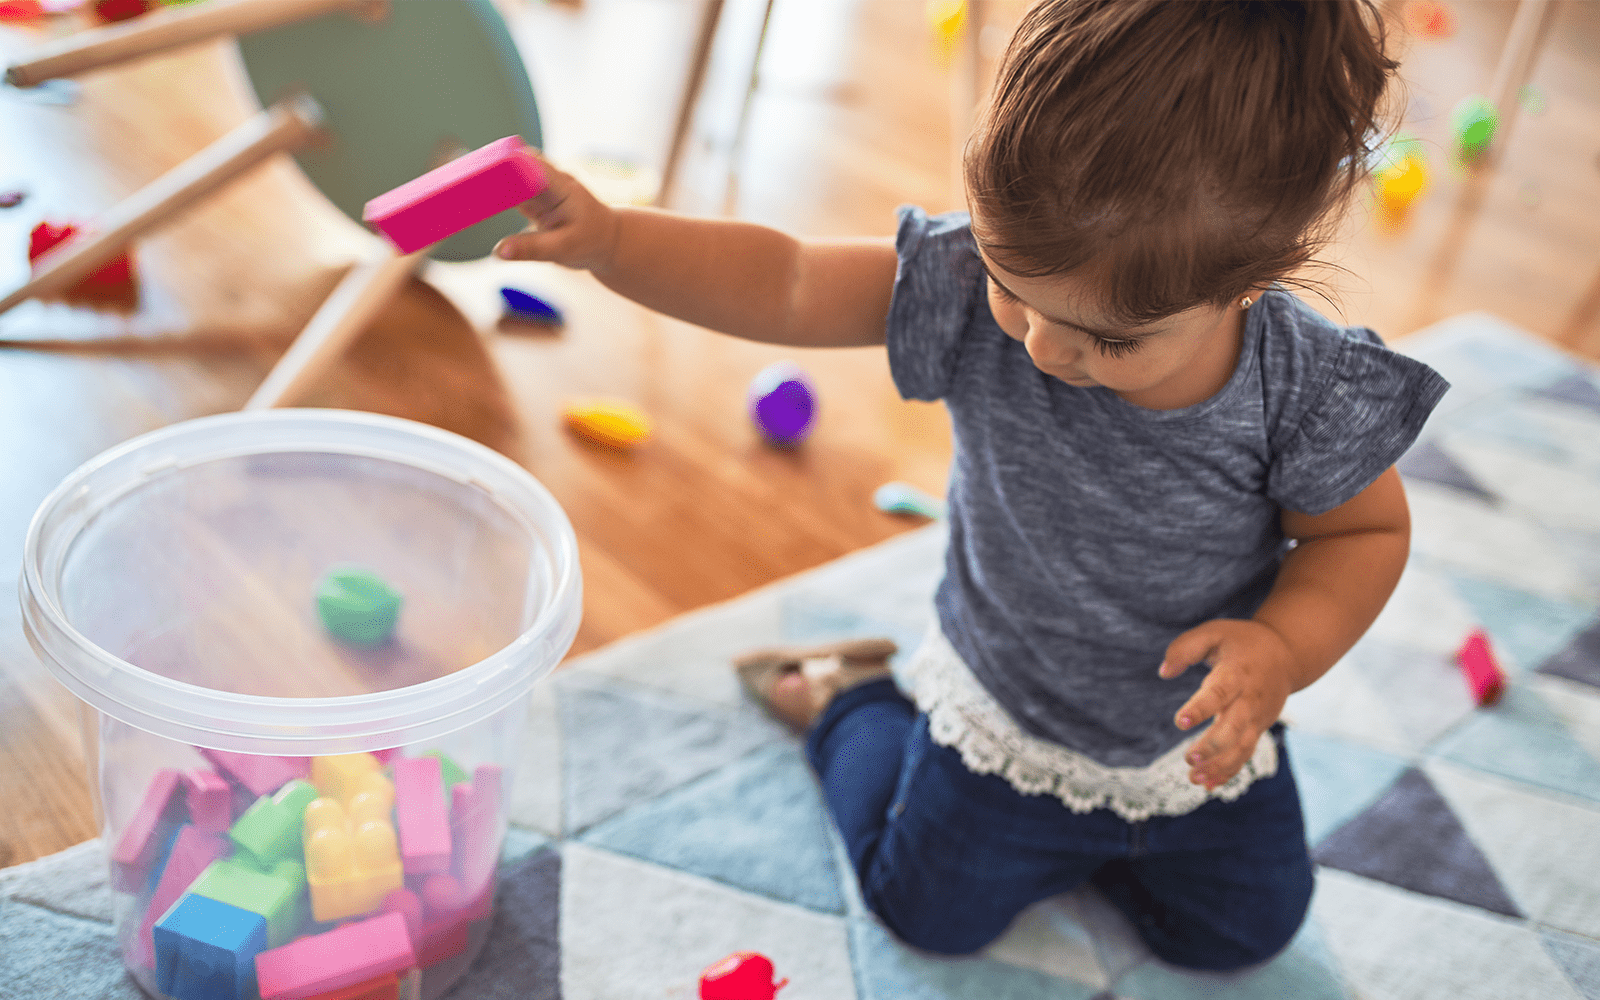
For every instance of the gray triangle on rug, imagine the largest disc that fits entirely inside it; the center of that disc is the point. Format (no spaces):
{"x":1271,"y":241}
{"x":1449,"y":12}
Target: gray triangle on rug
{"x":1411,"y":838}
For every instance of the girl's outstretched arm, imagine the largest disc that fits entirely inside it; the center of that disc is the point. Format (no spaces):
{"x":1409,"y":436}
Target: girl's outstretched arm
{"x":1330,"y":587}
{"x":734,"y":277}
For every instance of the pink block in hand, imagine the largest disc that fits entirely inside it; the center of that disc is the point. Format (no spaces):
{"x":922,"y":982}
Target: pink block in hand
{"x":142,"y":838}
{"x":420,"y":815}
{"x":262,"y":774}
{"x":349,"y":954}
{"x":463,"y":192}
{"x":191,"y":853}
{"x":1484,"y":676}
{"x":210,"y":800}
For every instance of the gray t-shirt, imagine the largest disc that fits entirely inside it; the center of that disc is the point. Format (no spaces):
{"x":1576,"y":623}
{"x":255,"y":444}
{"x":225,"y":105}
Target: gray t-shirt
{"x":1086,"y":532}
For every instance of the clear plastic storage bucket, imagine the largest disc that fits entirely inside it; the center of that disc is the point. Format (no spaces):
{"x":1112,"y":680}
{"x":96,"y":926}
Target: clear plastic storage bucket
{"x":307,"y":636}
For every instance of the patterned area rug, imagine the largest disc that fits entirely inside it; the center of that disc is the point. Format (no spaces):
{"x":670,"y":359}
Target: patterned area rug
{"x":663,"y":823}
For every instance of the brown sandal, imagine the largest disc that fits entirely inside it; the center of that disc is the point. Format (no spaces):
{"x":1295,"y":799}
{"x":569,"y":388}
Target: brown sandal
{"x":829,"y":669}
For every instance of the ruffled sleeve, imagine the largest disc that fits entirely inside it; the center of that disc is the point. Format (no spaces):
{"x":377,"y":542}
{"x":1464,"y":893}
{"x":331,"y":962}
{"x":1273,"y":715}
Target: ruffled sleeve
{"x":936,"y":287}
{"x":1361,"y":406}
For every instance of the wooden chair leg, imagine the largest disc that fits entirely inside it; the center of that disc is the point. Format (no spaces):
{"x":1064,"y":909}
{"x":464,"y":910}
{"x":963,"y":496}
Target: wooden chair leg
{"x":170,"y":29}
{"x":287,"y":125}
{"x":344,"y":314}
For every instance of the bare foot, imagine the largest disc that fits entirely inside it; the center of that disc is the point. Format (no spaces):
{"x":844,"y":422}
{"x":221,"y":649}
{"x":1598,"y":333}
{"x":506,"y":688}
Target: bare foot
{"x":791,"y":700}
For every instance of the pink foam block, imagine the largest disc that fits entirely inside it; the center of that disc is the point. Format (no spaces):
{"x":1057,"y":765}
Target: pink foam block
{"x":349,"y":954}
{"x":210,"y":800}
{"x":475,"y":819}
{"x":420,"y":815}
{"x":194,"y":849}
{"x":1483,"y":673}
{"x":142,"y":838}
{"x":434,"y":939}
{"x":463,"y":192}
{"x":261,"y":774}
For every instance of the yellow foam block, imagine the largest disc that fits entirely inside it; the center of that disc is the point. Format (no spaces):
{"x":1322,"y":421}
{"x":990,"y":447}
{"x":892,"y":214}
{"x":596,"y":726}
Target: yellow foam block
{"x":352,"y":852}
{"x":610,"y":422}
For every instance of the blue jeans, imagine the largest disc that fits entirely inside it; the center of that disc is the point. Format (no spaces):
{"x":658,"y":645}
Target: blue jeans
{"x":947,"y":858}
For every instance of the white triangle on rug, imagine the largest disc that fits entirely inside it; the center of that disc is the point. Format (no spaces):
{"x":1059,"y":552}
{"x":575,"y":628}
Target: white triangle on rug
{"x":1424,"y":612}
{"x":1576,"y":705}
{"x":1343,"y":703}
{"x":890,"y":970}
{"x":634,"y":929}
{"x":1494,"y":544}
{"x":1050,"y":937}
{"x":1556,"y":494}
{"x":1392,"y":944}
{"x":1542,"y":846}
{"x":1305,"y":970}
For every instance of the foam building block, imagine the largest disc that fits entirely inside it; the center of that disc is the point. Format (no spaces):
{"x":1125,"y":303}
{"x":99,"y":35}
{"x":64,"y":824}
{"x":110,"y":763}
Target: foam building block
{"x":385,"y":987}
{"x":47,"y":236}
{"x":321,"y":963}
{"x":337,"y":777}
{"x":351,"y":848}
{"x":434,"y":939}
{"x":1483,"y":673}
{"x":269,"y":831}
{"x":210,"y":800}
{"x":462,"y":193}
{"x":448,"y":769}
{"x":358,"y":606}
{"x":139,"y":847}
{"x":278,"y":896}
{"x":475,"y":821}
{"x":206,"y":950}
{"x":261,"y":774}
{"x":192,"y":851}
{"x":421,"y":817}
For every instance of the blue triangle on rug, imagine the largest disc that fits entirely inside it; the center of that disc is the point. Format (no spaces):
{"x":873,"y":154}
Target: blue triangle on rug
{"x":1427,"y":461}
{"x":1578,"y":958}
{"x":1530,"y":627}
{"x":1412,"y":839}
{"x":889,"y":970}
{"x":1580,"y":660}
{"x":625,"y":745}
{"x":1574,"y":389}
{"x":758,"y":824}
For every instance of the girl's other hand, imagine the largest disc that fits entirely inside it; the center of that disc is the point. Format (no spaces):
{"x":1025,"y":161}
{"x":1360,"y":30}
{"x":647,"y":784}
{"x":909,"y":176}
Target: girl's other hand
{"x":1250,"y":679}
{"x":568,"y":226}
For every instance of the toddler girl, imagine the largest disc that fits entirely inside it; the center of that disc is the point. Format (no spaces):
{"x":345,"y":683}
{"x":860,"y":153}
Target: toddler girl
{"x":1172,"y":501}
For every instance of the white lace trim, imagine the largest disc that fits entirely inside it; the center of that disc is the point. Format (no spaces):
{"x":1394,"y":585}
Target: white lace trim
{"x":961,"y":714}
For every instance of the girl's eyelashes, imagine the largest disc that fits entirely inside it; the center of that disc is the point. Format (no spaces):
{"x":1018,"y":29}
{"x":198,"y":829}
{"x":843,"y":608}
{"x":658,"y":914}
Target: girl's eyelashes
{"x":1116,"y":348}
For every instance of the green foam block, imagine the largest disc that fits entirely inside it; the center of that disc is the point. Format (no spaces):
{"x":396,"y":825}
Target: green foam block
{"x":356,"y":605}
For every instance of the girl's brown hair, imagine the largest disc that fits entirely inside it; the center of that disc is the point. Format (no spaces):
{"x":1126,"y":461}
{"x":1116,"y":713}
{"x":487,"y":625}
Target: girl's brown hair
{"x":1185,"y":151}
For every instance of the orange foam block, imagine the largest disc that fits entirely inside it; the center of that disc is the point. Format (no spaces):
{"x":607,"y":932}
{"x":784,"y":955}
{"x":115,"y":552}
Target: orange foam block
{"x":322,"y":963}
{"x":1483,"y":673}
{"x":462,"y":193}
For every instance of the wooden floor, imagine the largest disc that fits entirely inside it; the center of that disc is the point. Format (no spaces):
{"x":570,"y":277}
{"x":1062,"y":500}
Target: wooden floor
{"x":852,"y":116}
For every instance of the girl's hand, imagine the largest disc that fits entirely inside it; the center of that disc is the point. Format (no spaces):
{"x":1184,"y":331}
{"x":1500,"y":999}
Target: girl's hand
{"x":570,"y":226}
{"x":1250,"y":679}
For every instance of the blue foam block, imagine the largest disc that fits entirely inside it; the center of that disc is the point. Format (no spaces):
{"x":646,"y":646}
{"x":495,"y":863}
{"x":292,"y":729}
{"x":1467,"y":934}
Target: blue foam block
{"x":530,"y":308}
{"x":206,"y":950}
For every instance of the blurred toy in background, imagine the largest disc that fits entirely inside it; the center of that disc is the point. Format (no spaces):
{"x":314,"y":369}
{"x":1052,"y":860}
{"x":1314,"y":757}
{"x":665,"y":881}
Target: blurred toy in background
{"x":21,"y":12}
{"x":903,"y":498}
{"x":11,"y":199}
{"x":614,"y":423}
{"x":356,"y":605}
{"x":947,"y":19}
{"x":1482,"y":671}
{"x":122,"y":10}
{"x":744,"y":975}
{"x":783,"y":403}
{"x":522,"y":307}
{"x":1473,"y":123}
{"x":1399,"y":178}
{"x":1430,"y":19}
{"x":116,"y":274}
